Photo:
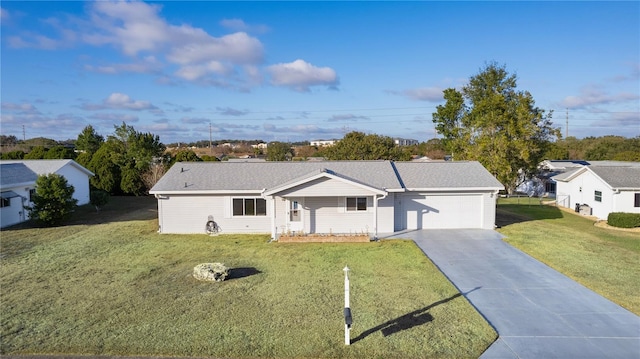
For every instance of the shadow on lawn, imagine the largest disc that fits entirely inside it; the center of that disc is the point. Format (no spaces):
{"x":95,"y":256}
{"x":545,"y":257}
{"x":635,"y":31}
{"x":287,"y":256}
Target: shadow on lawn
{"x":507,"y":214}
{"x":237,"y":273}
{"x":407,"y":321}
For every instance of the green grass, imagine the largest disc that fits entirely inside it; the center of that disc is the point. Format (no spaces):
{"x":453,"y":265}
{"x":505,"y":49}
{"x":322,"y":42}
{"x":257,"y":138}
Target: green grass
{"x":108,"y":284}
{"x":604,"y":260}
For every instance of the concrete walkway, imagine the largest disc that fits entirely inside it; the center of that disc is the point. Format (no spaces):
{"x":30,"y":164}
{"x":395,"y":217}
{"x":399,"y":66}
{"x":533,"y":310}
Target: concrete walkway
{"x":537,"y":311}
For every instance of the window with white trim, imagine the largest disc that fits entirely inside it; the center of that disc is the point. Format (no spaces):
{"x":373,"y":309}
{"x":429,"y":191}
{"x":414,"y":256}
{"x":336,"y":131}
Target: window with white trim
{"x":597,"y":196}
{"x":356,"y":203}
{"x":636,"y":200}
{"x":249,"y":207}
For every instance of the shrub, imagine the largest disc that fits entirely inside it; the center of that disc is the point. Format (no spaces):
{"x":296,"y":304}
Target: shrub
{"x":624,"y":220}
{"x":53,"y":201}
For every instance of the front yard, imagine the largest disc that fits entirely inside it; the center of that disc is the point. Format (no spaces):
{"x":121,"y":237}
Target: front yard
{"x":604,"y":260}
{"x":110,"y":285}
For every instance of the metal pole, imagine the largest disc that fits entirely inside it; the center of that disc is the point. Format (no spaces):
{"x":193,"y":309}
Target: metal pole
{"x":347,"y":326}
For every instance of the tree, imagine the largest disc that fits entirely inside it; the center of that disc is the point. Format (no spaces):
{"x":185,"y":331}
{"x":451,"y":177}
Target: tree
{"x":98,"y":198}
{"x":53,"y":201}
{"x":89,"y":141}
{"x":13,"y":155}
{"x":59,"y":153}
{"x":106,"y":170}
{"x":186,"y":156}
{"x":359,"y":146}
{"x":279,"y":151}
{"x":36,"y":153}
{"x":491,"y":122}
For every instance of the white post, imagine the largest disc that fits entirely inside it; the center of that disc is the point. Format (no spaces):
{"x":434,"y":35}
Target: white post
{"x":347,"y":327}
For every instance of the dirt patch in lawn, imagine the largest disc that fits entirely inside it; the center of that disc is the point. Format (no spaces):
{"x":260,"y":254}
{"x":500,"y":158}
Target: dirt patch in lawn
{"x":324,"y":239}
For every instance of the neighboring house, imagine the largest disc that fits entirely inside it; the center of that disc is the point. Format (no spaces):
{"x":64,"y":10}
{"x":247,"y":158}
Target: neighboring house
{"x":14,"y":171}
{"x":350,"y":197}
{"x":603,"y":186}
{"x":405,"y":141}
{"x":322,"y":143}
{"x":17,"y":183}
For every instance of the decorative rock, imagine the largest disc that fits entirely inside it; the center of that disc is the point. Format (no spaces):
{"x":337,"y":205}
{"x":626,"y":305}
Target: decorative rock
{"x":212,"y":272}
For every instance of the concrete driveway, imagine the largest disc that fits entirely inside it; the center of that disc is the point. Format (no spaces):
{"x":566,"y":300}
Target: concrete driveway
{"x":537,"y":311}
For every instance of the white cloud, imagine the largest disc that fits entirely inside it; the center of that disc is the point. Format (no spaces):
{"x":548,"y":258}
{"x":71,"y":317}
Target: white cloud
{"x":148,"y":64}
{"x":195,"y":72}
{"x":228,"y":111}
{"x":4,"y":15}
{"x":347,"y":117}
{"x":240,"y":25}
{"x":430,"y":94}
{"x":300,"y":75}
{"x":594,"y":95}
{"x":120,"y":101}
{"x":114,"y":117}
{"x":20,"y":108}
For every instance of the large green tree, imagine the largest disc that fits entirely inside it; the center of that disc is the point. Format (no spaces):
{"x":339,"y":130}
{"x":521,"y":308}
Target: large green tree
{"x":359,"y":146}
{"x":89,"y":140}
{"x":279,"y":151}
{"x":53,"y":201}
{"x":490,"y":121}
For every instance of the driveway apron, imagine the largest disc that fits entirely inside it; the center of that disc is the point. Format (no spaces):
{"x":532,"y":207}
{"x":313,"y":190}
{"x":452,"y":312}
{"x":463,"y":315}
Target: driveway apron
{"x":537,"y":311}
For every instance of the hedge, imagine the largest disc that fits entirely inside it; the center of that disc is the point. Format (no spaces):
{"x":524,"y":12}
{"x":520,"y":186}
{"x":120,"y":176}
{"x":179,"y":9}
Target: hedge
{"x":624,"y":220}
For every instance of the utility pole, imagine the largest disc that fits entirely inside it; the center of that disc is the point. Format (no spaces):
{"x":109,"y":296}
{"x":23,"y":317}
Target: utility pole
{"x":24,"y":134}
{"x":210,"y":145}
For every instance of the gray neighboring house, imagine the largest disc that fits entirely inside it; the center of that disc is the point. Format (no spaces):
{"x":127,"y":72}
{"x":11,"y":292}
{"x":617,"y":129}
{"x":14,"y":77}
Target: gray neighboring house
{"x":350,"y":197}
{"x":18,"y":180}
{"x":604,"y":186}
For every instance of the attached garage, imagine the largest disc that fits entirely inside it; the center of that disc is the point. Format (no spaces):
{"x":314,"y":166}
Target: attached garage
{"x":440,"y":211}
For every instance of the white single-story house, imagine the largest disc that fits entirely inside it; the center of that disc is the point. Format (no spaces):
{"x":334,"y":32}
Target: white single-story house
{"x":604,"y":188}
{"x":18,"y":180}
{"x":340,"y":197}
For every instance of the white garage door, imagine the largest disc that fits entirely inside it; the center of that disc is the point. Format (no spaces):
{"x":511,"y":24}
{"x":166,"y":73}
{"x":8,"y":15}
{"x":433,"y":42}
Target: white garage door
{"x":444,"y":211}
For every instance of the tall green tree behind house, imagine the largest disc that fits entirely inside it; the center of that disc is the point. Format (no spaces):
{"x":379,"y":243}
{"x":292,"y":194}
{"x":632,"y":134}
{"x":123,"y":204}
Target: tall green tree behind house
{"x":359,"y":146}
{"x":279,"y":151}
{"x":53,"y":201}
{"x":490,"y":121}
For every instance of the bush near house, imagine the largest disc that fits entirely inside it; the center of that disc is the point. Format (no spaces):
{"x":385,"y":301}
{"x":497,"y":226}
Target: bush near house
{"x":624,"y":220}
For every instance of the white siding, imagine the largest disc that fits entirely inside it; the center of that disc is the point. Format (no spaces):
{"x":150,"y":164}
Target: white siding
{"x":15,"y":213}
{"x":79,"y":180}
{"x":386,"y":213}
{"x":581,"y":190}
{"x":624,"y":201}
{"x":189,"y":214}
{"x":327,"y":215}
{"x":322,"y":187}
{"x":445,"y":210}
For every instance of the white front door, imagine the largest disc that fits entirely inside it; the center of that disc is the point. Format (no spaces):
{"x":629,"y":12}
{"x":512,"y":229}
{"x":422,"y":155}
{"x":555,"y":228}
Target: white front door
{"x":294,"y":220}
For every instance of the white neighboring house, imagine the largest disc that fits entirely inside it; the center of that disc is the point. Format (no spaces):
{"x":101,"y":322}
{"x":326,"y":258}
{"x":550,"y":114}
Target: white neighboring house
{"x":604,"y":186}
{"x":17,"y":182}
{"x":350,"y":197}
{"x":19,"y":178}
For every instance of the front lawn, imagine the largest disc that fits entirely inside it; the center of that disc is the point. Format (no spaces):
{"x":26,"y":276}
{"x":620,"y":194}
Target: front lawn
{"x":108,"y":284}
{"x":604,"y":260}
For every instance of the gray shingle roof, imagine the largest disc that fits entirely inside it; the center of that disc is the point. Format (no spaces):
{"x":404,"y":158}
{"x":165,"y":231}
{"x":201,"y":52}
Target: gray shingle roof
{"x":619,"y":177}
{"x":43,"y":167}
{"x":457,"y":174}
{"x":248,"y":176}
{"x":12,"y":174}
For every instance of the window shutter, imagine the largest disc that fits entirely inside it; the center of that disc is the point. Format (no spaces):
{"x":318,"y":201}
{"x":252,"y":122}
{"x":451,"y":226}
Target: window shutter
{"x":341,"y":204}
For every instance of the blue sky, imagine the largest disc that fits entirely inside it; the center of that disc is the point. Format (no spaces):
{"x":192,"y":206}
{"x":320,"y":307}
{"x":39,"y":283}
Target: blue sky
{"x":292,"y":71}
